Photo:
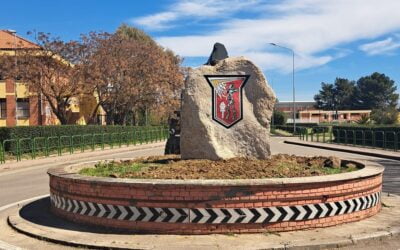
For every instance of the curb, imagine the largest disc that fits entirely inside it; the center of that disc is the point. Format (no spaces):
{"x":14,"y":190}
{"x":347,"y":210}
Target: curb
{"x":60,"y":242}
{"x":25,"y":227}
{"x":354,"y":240}
{"x":345,"y":150}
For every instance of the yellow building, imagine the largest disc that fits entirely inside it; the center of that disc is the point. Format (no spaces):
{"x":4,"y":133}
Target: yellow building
{"x":21,"y":107}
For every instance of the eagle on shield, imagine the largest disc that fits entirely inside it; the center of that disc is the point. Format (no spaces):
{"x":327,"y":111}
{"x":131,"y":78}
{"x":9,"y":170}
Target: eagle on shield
{"x":227,"y":95}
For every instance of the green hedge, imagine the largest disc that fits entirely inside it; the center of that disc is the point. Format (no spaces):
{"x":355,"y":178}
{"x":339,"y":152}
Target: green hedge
{"x":375,"y":136}
{"x":65,"y":130}
{"x":19,"y":132}
{"x":288,"y":128}
{"x":303,"y":124}
{"x":320,"y":129}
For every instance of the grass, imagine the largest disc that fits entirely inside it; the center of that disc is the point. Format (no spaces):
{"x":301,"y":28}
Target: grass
{"x":283,"y":169}
{"x":156,"y":169}
{"x":281,"y":132}
{"x":107,"y":169}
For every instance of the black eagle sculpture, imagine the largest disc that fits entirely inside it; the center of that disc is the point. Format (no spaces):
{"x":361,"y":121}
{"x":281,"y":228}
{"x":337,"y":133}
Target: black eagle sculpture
{"x":218,"y":53}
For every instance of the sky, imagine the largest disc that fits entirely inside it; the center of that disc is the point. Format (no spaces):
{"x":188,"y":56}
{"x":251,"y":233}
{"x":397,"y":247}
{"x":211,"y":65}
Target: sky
{"x":336,"y":38}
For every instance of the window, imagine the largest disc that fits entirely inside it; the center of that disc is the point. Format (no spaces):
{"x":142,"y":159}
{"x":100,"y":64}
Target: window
{"x":3,"y":108}
{"x":22,"y":108}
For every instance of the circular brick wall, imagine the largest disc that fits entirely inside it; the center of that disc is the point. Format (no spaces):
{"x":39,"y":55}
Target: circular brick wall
{"x":216,"y":206}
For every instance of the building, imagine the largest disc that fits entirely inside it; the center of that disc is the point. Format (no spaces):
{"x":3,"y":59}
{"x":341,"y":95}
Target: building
{"x":19,"y":106}
{"x":307,"y":113}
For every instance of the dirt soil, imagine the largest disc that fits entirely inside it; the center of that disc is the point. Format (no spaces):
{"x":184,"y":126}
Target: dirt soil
{"x":279,"y":166}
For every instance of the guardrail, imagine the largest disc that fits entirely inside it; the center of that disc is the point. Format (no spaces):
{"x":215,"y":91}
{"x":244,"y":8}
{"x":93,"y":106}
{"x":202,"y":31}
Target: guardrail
{"x":31,"y":148}
{"x":389,"y":140}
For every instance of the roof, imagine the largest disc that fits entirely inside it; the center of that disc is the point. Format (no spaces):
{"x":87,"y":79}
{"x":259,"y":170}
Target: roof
{"x":297,"y":103}
{"x":8,"y":41}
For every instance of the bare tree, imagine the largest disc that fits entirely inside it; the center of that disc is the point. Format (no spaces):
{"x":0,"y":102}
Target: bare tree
{"x":50,"y":71}
{"x":127,"y":71}
{"x":130,"y":74}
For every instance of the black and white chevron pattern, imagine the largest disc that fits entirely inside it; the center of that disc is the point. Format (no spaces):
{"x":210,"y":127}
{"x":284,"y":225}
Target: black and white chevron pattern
{"x":216,"y":215}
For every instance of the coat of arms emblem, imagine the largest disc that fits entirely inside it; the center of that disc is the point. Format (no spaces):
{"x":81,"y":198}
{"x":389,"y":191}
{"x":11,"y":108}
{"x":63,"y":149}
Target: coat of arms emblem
{"x":227,"y":105}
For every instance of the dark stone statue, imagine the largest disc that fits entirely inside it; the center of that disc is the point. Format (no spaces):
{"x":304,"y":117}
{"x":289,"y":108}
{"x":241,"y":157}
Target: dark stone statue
{"x":218,"y":53}
{"x":173,"y":142}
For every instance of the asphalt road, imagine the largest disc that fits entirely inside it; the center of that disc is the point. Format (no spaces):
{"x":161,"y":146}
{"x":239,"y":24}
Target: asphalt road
{"x":27,"y":179}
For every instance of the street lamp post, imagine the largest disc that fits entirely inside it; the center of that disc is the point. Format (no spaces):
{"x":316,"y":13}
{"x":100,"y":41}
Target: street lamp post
{"x":294,"y":93}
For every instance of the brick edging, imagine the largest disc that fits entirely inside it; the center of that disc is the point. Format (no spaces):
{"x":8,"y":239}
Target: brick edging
{"x":202,"y":209}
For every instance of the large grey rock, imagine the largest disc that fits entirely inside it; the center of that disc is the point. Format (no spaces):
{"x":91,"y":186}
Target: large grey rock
{"x":203,"y":138}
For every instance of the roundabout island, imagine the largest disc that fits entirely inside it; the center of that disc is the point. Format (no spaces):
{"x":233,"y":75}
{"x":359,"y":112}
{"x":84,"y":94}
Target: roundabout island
{"x":225,"y":118}
{"x":200,"y":206}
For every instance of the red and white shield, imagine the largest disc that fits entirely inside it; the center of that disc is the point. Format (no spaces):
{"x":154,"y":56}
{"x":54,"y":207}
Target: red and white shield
{"x":227,"y":105}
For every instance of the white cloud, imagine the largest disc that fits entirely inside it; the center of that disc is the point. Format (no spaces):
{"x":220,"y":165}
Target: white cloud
{"x":157,"y":21}
{"x":382,"y":47}
{"x":309,"y":27}
{"x":284,"y":62}
{"x":195,"y":9}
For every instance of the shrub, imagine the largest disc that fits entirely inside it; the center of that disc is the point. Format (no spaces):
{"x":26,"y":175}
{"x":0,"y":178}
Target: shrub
{"x":385,"y":116}
{"x":289,"y":128}
{"x":9,"y":133}
{"x":303,"y":124}
{"x":364,"y":120}
{"x":279,"y":117}
{"x":59,"y":130}
{"x":320,"y":129}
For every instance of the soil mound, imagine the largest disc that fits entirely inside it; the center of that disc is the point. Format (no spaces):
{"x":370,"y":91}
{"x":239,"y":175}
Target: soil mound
{"x":172,"y":167}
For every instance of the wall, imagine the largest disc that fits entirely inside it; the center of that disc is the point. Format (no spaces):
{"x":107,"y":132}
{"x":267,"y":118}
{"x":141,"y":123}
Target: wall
{"x":219,"y":206}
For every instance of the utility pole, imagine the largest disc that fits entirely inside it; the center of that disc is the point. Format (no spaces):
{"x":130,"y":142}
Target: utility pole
{"x":293,"y":88}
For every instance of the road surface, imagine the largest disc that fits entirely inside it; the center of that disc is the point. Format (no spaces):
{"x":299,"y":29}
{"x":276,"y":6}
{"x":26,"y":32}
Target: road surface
{"x":26,"y":179}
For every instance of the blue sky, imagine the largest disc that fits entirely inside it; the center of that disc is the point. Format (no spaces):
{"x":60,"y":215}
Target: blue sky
{"x":341,"y":38}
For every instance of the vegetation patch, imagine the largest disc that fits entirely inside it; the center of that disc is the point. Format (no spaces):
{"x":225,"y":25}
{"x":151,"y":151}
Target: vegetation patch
{"x":172,"y":167}
{"x":280,"y":132}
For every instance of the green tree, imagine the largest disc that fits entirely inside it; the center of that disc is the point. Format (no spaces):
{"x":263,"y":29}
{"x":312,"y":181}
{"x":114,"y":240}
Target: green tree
{"x":376,"y":91}
{"x":279,"y":117}
{"x":326,"y":98}
{"x":389,"y":116}
{"x":344,"y":91}
{"x":337,"y":96}
{"x":134,"y":34}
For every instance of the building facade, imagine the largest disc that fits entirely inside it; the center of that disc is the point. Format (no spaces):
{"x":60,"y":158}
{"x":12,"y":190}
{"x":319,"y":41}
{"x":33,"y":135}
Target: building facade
{"x":20,"y":106}
{"x":307,"y":113}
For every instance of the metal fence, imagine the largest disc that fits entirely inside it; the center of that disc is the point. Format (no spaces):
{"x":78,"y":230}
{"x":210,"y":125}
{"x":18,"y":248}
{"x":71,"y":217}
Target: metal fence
{"x":31,"y":148}
{"x":389,"y":140}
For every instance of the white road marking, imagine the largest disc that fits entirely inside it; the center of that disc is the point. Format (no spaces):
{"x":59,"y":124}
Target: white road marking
{"x":5,"y":245}
{"x":23,"y":201}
